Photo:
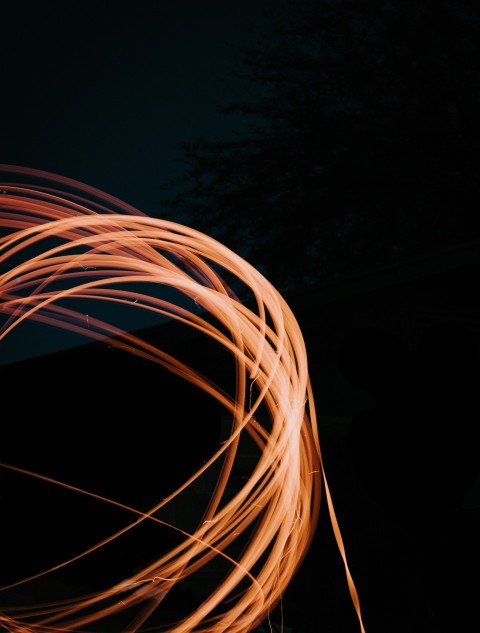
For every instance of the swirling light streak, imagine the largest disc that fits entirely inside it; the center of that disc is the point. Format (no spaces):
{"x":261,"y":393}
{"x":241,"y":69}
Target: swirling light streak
{"x":64,"y":242}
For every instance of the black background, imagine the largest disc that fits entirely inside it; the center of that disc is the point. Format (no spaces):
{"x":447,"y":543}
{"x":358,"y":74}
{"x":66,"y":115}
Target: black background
{"x":101,"y":96}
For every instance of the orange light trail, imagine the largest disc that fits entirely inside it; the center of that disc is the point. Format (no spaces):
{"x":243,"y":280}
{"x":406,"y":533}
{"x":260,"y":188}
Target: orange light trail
{"x":65,"y":244}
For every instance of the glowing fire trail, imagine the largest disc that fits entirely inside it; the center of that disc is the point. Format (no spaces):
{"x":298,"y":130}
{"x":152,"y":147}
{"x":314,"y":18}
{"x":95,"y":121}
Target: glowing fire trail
{"x":58,"y":247}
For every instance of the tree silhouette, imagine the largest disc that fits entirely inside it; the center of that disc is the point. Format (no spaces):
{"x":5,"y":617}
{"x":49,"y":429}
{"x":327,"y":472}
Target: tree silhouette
{"x":362,"y":144}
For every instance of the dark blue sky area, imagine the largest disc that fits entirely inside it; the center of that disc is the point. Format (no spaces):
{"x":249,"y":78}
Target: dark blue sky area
{"x":102,"y":94}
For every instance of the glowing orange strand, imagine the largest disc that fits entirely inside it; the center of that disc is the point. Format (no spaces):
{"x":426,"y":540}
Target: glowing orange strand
{"x":89,"y":250}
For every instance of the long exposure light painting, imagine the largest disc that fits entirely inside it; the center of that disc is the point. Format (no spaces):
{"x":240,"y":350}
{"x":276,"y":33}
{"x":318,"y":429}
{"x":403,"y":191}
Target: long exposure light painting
{"x":65,"y":244}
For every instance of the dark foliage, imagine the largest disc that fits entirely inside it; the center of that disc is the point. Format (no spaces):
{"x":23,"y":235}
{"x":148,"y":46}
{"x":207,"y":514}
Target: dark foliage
{"x":363,"y":141}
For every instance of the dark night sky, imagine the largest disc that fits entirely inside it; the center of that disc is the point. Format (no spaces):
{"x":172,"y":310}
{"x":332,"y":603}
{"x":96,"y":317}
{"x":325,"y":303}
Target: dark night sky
{"x":102,"y":94}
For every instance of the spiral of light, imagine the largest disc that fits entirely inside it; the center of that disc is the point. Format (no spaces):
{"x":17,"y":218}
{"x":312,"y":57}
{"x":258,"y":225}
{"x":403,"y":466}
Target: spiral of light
{"x":63,"y":244}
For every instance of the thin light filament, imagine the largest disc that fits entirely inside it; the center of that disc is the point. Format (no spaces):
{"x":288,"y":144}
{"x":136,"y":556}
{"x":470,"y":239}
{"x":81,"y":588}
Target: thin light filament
{"x":65,"y":245}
